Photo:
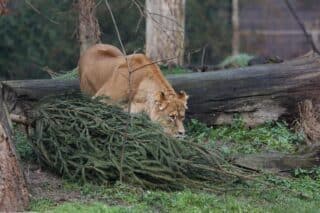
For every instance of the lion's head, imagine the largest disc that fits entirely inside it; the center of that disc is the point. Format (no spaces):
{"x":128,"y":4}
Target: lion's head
{"x":169,"y":110}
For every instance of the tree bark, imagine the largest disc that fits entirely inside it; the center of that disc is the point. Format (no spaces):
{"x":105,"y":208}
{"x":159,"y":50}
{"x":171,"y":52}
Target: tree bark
{"x":165,"y":30}
{"x":13,"y":190}
{"x":235,"y":28}
{"x":89,"y":31}
{"x":3,"y":7}
{"x":258,"y":93}
{"x":307,"y":158}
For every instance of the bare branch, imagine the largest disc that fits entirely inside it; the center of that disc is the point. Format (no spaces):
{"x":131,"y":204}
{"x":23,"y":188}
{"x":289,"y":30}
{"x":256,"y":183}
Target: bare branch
{"x":130,"y":90}
{"x":38,"y":11}
{"x":203,"y":55}
{"x":116,"y":27}
{"x":142,"y":8}
{"x":301,"y":25}
{"x":153,"y":62}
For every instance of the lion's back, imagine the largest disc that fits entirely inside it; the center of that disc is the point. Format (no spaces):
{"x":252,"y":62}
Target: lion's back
{"x":96,"y":66}
{"x":102,"y":62}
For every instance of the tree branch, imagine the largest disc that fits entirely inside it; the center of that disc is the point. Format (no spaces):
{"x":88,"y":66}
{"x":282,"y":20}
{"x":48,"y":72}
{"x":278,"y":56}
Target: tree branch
{"x":301,"y":25}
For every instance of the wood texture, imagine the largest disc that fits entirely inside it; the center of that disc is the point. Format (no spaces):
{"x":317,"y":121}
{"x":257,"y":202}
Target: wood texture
{"x":14,"y":195}
{"x":235,"y":28}
{"x":89,"y":31}
{"x":165,"y":24}
{"x":307,"y":158}
{"x":3,"y":7}
{"x":258,"y":93}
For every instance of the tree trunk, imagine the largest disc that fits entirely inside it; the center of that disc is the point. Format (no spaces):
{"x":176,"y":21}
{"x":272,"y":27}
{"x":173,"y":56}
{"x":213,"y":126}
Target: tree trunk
{"x":89,"y":31}
{"x":258,"y":93}
{"x":13,"y":190}
{"x":3,"y":7}
{"x":235,"y":28}
{"x":165,"y":30}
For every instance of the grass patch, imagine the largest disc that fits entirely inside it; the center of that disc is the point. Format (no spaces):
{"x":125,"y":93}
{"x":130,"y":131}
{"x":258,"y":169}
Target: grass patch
{"x":313,"y":173}
{"x":287,"y":195}
{"x":68,"y":75}
{"x":41,"y":205}
{"x":236,"y":138}
{"x":44,"y":205}
{"x":174,"y":71}
{"x":23,"y":146}
{"x":88,"y":208}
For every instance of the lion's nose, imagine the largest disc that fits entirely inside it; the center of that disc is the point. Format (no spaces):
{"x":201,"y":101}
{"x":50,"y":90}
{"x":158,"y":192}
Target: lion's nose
{"x":181,"y":133}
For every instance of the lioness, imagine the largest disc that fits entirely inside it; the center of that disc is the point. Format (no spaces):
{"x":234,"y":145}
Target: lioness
{"x":104,"y":72}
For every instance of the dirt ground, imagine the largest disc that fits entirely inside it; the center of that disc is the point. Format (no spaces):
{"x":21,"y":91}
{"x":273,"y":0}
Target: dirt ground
{"x":43,"y":184}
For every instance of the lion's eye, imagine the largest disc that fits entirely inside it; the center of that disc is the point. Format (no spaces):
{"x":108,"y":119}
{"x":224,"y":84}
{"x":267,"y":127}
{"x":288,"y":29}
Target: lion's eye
{"x":172,"y":117}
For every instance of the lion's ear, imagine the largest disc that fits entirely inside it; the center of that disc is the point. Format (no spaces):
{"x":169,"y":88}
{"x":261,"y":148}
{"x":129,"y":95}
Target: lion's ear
{"x":183,"y":95}
{"x":160,"y":100}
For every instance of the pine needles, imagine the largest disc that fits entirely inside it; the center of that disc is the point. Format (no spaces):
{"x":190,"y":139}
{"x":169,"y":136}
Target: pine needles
{"x":82,"y":140}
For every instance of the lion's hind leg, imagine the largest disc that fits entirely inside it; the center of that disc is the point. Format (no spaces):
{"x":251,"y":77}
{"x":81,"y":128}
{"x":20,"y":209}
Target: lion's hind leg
{"x":109,"y":94}
{"x":134,"y":107}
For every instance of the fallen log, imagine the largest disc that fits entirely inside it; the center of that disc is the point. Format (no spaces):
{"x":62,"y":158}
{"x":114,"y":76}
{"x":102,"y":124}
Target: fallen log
{"x":258,"y":93}
{"x":306,"y":158}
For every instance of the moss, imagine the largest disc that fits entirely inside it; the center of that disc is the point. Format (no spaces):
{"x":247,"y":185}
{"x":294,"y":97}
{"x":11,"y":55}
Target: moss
{"x":236,"y":61}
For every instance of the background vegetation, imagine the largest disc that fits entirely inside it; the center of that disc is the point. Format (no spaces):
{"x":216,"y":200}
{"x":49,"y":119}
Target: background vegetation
{"x":32,"y":41}
{"x":42,"y":35}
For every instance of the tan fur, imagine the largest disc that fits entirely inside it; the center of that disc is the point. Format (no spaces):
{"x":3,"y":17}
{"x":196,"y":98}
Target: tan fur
{"x":104,"y":72}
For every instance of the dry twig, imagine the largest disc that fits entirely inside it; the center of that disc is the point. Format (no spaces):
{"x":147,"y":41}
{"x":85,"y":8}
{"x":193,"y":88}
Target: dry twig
{"x":38,"y":11}
{"x":129,"y":85}
{"x":302,"y":27}
{"x":308,"y":122}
